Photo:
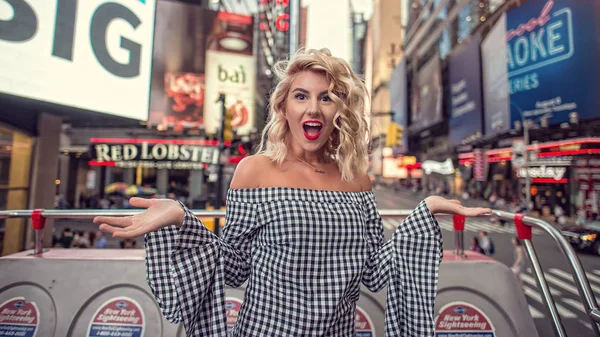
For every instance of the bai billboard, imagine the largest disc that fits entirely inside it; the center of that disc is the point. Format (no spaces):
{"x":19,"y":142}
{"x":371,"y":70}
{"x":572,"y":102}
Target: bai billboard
{"x":190,"y":73}
{"x":94,"y":55}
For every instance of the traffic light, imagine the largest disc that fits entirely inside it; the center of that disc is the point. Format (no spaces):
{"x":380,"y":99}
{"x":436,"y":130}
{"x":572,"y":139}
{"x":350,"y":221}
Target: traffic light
{"x":227,"y":127}
{"x":394,"y":136}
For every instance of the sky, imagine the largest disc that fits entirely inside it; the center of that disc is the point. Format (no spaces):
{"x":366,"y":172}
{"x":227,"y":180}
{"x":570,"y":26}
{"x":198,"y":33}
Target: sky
{"x":329,"y":24}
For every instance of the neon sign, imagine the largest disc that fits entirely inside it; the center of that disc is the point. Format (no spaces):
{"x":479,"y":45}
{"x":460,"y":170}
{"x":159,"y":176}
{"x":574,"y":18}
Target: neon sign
{"x":540,"y":42}
{"x":282,"y":19}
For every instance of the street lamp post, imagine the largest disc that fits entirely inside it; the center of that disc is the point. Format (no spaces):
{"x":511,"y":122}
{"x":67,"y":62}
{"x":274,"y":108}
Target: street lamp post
{"x":526,"y":124}
{"x":526,"y":163}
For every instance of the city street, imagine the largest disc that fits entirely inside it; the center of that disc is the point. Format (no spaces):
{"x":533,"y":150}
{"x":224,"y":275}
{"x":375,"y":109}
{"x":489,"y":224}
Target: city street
{"x":553,"y":262}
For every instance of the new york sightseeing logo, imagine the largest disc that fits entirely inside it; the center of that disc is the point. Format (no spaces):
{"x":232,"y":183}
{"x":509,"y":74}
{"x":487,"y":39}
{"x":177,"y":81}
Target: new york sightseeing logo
{"x":543,"y":40}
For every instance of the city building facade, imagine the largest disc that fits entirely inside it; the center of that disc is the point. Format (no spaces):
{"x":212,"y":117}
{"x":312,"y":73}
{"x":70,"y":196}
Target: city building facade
{"x":491,"y":95}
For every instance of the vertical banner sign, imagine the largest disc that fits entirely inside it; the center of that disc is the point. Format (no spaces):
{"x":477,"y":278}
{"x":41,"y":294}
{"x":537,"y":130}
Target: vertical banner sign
{"x":464,"y":320}
{"x":19,"y":318}
{"x":552,"y":60}
{"x":363,"y":326}
{"x":233,"y":306}
{"x":231,"y":69}
{"x":495,"y":80}
{"x":92,"y":55}
{"x":478,"y":165}
{"x":118,"y":317}
{"x":465,"y":95}
{"x":518,"y":153}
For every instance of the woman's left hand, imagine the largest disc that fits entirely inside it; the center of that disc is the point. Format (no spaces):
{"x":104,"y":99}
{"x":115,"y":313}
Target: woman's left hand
{"x":441,"y":205}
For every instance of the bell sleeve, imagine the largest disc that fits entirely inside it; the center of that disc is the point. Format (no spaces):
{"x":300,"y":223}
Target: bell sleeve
{"x":414,"y":275}
{"x":409,"y":264}
{"x":187,"y":268}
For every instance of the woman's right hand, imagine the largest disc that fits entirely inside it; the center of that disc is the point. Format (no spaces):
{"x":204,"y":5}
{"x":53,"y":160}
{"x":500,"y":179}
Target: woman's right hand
{"x":159,"y":213}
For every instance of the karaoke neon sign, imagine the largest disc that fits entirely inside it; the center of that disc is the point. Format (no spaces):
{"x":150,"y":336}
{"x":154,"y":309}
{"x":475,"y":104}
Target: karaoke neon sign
{"x":541,"y":41}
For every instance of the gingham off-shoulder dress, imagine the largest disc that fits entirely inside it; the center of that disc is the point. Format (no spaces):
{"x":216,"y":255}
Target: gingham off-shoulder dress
{"x":304,"y":254}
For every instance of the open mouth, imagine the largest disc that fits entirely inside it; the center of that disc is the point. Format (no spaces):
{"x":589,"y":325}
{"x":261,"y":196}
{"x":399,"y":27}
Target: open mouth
{"x":312,"y":129}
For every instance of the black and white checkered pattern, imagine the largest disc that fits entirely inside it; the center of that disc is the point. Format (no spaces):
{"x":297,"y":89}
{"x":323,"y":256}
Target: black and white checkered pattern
{"x":304,"y":254}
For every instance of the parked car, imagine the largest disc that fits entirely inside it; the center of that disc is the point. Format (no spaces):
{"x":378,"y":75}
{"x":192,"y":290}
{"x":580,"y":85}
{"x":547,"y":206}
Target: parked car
{"x":584,"y":237}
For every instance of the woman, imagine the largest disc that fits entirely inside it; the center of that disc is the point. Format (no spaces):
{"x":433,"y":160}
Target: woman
{"x":475,"y":247}
{"x":302,"y":226}
{"x":519,"y":256}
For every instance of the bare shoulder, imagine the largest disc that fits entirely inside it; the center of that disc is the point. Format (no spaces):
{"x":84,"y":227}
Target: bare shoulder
{"x":364,"y":181}
{"x":249,"y":170}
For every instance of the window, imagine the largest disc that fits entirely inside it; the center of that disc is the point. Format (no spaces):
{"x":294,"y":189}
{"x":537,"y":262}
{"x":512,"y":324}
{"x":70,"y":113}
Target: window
{"x":15,"y":167}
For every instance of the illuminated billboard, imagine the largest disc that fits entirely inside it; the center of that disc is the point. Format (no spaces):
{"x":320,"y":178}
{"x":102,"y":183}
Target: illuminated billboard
{"x":92,"y":55}
{"x":189,"y":74}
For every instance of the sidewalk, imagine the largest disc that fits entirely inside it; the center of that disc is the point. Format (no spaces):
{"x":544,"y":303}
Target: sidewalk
{"x":470,"y":203}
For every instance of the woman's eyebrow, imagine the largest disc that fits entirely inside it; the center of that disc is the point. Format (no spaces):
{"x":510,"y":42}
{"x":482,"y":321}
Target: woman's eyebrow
{"x":304,"y":91}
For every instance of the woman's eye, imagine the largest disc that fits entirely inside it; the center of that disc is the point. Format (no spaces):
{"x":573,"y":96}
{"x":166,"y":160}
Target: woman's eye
{"x":326,"y":98}
{"x":300,"y":96}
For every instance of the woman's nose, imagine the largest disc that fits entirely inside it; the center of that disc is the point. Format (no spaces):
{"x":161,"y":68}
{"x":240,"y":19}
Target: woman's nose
{"x":314,"y":107}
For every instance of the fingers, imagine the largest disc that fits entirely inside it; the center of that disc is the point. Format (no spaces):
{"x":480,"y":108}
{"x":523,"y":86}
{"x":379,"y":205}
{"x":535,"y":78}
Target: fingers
{"x":109,"y":229}
{"x":457,"y":202}
{"x":475,"y":211}
{"x":140,"y":202}
{"x":113,"y":220}
{"x":126,"y":233}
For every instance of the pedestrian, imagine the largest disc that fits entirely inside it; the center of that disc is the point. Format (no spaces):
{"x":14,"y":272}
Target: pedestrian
{"x":302,"y":226}
{"x":558,"y":213}
{"x":475,"y":247}
{"x":105,"y":203}
{"x":581,"y":215}
{"x":519,"y":256}
{"x":82,"y":240}
{"x":100,"y":240}
{"x":66,"y":239}
{"x":486,"y":243}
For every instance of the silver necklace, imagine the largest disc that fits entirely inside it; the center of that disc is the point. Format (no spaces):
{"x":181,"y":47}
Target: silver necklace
{"x":318,"y":170}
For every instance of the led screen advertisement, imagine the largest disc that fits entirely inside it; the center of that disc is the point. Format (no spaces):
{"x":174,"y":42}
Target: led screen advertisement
{"x":465,"y":94}
{"x":552,"y":58}
{"x":495,"y":80}
{"x":199,"y":54}
{"x":94,"y":55}
{"x":426,"y":105}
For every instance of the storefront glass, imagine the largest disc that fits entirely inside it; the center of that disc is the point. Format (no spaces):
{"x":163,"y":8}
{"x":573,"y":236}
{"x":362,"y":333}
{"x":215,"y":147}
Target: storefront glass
{"x":15,"y":166}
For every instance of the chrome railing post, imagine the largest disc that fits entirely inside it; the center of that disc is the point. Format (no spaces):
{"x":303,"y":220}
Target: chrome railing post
{"x":458,"y":222}
{"x":579,"y":276}
{"x":525,"y":234}
{"x":38,"y":221}
{"x":541,"y":280}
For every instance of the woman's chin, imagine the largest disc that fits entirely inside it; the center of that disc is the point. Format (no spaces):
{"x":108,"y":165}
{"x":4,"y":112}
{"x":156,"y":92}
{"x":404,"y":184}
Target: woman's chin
{"x":312,"y":146}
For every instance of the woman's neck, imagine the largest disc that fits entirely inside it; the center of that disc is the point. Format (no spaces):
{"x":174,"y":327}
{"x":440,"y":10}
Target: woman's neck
{"x":296,"y":152}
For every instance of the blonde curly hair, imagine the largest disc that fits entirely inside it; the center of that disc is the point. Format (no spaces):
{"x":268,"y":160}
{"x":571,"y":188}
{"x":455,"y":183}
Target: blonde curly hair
{"x":349,"y":141}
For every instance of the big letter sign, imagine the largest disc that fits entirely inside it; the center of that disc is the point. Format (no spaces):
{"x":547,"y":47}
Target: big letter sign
{"x":89,"y":54}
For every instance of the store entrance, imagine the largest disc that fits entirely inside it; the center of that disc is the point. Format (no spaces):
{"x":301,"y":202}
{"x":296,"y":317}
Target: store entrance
{"x":179,"y":181}
{"x":546,"y":197}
